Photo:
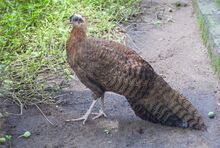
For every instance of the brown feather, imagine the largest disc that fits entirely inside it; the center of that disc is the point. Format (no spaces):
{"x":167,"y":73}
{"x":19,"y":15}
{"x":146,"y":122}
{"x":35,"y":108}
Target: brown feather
{"x":109,"y":66}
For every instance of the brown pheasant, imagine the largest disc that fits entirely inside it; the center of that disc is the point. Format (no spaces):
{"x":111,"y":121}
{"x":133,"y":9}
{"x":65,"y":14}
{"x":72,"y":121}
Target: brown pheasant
{"x":109,"y":66}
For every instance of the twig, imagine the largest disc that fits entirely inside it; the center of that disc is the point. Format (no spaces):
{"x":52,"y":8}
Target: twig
{"x":4,"y":101}
{"x":21,"y":107}
{"x":10,"y":144}
{"x":132,"y":41}
{"x":44,"y":114}
{"x":60,"y":96}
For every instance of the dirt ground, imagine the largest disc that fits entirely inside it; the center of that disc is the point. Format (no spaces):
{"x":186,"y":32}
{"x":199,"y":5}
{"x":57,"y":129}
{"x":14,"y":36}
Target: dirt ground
{"x":171,"y":43}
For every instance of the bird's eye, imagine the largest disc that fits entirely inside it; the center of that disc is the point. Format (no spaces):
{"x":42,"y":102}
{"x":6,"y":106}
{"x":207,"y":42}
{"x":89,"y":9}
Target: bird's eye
{"x":80,"y":20}
{"x":75,"y":19}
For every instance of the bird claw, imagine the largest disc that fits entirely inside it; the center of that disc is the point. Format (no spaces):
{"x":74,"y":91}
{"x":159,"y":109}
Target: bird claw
{"x":99,"y":114}
{"x":84,"y":118}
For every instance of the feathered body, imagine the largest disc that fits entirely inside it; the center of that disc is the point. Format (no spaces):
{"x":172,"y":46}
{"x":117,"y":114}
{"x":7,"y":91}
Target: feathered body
{"x":109,"y":66}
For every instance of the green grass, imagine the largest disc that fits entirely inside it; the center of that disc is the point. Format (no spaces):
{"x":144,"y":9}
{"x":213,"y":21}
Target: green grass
{"x":33,"y":35}
{"x":218,"y":3}
{"x":215,"y":60}
{"x":205,"y":37}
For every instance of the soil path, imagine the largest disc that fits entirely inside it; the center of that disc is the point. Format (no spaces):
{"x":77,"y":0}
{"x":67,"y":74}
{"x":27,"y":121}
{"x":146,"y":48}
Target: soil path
{"x":172,"y":44}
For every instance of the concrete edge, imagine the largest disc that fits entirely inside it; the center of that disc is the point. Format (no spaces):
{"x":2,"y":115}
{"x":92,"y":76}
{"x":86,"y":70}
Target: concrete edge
{"x":208,"y":15}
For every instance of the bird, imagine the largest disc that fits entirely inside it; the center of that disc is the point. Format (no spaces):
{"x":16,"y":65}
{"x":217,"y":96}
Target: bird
{"x":105,"y":65}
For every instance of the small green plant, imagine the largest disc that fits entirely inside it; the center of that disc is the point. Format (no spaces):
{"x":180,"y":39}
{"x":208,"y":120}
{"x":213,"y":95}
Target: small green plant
{"x":4,"y":139}
{"x":178,"y":4}
{"x":8,"y":137}
{"x":211,"y":114}
{"x":107,"y":131}
{"x":157,"y":23}
{"x":26,"y":134}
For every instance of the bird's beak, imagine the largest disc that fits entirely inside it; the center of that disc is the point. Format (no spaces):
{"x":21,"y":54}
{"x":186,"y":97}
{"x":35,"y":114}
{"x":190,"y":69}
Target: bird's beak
{"x":67,"y":23}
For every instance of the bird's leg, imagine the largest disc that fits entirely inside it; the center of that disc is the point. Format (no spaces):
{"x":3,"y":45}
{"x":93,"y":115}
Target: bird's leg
{"x":101,"y":111}
{"x":86,"y":115}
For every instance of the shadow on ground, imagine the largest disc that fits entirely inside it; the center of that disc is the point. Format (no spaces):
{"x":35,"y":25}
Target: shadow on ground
{"x":125,"y":129}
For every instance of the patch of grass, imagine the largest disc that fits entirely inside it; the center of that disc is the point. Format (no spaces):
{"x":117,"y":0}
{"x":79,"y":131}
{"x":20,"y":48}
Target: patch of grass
{"x":218,"y":3}
{"x":33,"y":35}
{"x":215,"y":60}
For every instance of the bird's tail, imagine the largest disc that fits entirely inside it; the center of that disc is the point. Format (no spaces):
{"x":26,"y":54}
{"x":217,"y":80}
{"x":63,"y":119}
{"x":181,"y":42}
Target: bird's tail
{"x":166,"y":106}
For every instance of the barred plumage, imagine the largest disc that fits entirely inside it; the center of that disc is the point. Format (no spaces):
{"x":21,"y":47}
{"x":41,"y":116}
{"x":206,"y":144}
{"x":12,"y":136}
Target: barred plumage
{"x":109,"y":66}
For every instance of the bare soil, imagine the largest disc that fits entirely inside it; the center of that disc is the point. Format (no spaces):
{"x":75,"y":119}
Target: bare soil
{"x":171,"y":43}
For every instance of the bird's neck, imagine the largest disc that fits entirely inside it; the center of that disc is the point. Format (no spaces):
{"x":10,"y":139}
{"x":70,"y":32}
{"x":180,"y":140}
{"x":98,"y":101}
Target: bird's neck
{"x":77,"y":35}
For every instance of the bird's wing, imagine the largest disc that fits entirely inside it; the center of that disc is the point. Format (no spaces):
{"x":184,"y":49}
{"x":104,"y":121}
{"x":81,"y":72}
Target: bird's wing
{"x":117,"y":67}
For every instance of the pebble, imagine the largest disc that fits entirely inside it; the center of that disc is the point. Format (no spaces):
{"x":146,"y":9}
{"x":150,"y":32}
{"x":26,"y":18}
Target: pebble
{"x":211,"y":114}
{"x":170,"y":9}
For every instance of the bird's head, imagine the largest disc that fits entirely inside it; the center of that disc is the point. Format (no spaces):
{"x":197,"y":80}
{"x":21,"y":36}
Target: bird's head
{"x":77,"y":20}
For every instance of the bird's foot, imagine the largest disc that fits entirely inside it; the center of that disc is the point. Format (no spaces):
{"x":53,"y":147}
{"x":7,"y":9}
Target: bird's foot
{"x":84,"y":118}
{"x":99,"y":114}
